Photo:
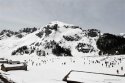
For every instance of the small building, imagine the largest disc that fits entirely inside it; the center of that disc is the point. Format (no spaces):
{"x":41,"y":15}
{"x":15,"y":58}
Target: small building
{"x":3,"y":60}
{"x":75,"y":76}
{"x":9,"y":67}
{"x":13,"y":62}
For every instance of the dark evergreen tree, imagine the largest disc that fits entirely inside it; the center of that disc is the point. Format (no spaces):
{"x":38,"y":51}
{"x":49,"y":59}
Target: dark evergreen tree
{"x":111,"y":44}
{"x":93,"y":32}
{"x":60,"y":51}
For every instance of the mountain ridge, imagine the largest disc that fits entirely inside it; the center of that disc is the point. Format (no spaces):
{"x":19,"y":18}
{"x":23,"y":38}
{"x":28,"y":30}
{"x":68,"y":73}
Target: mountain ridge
{"x":58,"y":35}
{"x":56,"y":38}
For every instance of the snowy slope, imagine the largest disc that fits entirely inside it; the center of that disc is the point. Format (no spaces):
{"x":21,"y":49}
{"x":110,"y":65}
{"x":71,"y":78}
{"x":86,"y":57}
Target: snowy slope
{"x":67,"y":36}
{"x":53,"y":69}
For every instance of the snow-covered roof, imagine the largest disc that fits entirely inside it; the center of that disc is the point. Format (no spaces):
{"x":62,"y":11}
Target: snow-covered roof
{"x":13,"y":65}
{"x":90,"y":77}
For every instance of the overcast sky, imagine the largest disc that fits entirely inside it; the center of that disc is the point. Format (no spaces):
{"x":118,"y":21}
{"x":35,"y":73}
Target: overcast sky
{"x":106,"y":15}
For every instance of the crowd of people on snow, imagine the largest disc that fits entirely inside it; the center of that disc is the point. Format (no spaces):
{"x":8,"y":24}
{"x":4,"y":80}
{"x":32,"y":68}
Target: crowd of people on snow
{"x":107,"y":62}
{"x":104,"y":62}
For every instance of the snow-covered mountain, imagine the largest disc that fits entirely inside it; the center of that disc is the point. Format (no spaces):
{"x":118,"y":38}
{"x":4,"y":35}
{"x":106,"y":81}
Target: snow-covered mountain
{"x":56,"y":38}
{"x":4,"y":34}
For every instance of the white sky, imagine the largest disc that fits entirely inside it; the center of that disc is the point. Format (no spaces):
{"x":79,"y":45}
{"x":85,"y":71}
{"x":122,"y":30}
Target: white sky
{"x":106,"y":15}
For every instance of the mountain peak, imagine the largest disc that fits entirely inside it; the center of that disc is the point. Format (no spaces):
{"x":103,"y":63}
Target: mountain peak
{"x":59,"y":23}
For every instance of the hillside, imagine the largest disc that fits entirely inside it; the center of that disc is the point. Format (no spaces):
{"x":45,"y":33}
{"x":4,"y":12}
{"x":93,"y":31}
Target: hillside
{"x":61,"y":39}
{"x":56,"y":38}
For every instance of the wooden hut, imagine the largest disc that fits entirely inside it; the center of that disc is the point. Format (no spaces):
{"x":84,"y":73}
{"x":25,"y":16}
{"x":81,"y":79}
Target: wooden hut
{"x":9,"y":67}
{"x":2,"y":60}
{"x":13,"y":62}
{"x":75,"y":76}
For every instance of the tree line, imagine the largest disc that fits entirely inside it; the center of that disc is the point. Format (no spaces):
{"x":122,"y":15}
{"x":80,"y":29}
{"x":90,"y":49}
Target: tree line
{"x":111,"y":44}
